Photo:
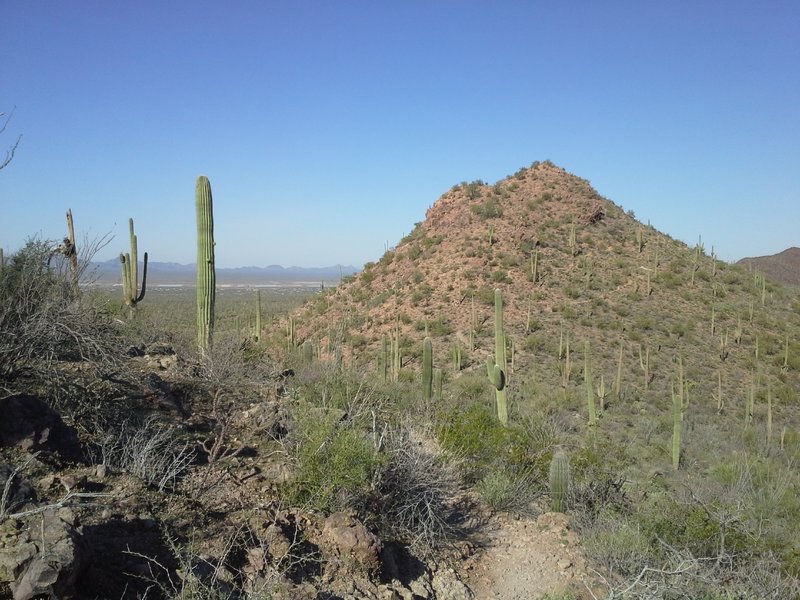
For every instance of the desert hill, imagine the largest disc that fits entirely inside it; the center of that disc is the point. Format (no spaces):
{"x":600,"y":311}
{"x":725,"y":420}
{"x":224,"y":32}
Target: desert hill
{"x":783,"y":267}
{"x":571,"y":264}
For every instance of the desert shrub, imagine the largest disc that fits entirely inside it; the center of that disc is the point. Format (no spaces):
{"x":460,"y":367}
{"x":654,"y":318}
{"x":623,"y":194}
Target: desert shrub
{"x":509,"y":491}
{"x":334,"y":461}
{"x":482,"y":444}
{"x":42,"y":321}
{"x":488,"y":209}
{"x":415,"y":484}
{"x":473,"y":188}
{"x":617,"y":544}
{"x":440,"y":326}
{"x":368,"y":275}
{"x":475,"y":436}
{"x":416,"y":233}
{"x":500,"y":276}
{"x":146,"y":449}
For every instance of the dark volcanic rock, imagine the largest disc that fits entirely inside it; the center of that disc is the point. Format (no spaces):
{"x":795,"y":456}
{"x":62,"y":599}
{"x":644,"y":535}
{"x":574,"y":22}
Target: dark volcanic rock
{"x":31,"y":424}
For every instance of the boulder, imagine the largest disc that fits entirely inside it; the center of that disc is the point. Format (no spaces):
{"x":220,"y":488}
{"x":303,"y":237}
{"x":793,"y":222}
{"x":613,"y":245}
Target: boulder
{"x":347,"y":539}
{"x":42,"y":555}
{"x":31,"y":424}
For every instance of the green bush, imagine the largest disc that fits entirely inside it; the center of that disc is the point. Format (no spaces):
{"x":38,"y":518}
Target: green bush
{"x":489,"y":209}
{"x":334,"y":462}
{"x":475,"y":436}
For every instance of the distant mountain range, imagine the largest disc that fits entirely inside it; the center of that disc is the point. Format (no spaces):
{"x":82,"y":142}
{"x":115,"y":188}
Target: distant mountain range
{"x":108,"y":272}
{"x":783,"y":267}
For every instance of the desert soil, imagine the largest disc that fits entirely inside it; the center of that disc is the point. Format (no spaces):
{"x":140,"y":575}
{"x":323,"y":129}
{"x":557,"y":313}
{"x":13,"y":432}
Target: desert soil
{"x":526,"y":558}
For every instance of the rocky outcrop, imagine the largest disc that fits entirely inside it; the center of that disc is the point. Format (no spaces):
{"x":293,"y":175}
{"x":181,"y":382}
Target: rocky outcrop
{"x":41,"y":555}
{"x":346,"y":541}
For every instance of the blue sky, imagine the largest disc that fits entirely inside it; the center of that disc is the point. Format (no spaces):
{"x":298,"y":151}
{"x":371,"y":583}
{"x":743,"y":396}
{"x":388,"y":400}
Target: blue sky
{"x":328,"y":128}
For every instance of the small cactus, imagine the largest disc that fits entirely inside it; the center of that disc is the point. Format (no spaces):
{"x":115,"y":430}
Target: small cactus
{"x":559,"y":481}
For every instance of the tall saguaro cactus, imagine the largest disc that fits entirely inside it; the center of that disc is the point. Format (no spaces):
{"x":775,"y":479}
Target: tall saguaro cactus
{"x":206,"y":273}
{"x":72,"y":253}
{"x":130,"y":273}
{"x":257,"y":328}
{"x":677,"y":424}
{"x":587,"y":378}
{"x":427,"y":369}
{"x":496,"y":367}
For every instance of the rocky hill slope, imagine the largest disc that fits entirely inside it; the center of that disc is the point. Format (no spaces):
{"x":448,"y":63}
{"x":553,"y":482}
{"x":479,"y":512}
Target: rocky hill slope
{"x":783,"y":267}
{"x":571,"y":265}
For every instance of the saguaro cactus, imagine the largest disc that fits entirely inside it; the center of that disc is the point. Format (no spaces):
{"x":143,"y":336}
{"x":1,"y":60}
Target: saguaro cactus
{"x":587,"y":379}
{"x":72,"y":254}
{"x":438,"y":383}
{"x":427,"y":368}
{"x":457,"y":357}
{"x":496,"y":367}
{"x":559,"y":481}
{"x":130,"y":273}
{"x":385,"y":358}
{"x":397,"y":359}
{"x":308,"y":352}
{"x":206,"y":273}
{"x":257,"y":328}
{"x":677,"y":424}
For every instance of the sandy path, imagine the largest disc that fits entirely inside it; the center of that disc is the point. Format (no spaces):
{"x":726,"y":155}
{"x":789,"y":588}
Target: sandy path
{"x":523,"y":559}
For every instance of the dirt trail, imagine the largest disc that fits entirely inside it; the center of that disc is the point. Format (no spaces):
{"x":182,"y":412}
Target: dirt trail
{"x":523,"y":559}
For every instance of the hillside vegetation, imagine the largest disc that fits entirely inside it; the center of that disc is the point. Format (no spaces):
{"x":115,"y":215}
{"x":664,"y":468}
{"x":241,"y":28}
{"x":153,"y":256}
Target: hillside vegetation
{"x":657,"y":321}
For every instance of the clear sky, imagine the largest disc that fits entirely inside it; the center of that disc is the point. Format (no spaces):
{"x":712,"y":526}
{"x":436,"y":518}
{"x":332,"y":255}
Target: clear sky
{"x":327,"y":128}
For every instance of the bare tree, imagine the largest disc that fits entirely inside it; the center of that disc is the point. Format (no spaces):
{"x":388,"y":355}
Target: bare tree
{"x":12,"y":150}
